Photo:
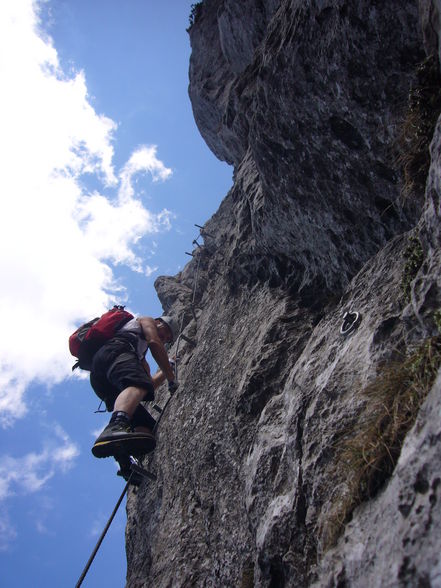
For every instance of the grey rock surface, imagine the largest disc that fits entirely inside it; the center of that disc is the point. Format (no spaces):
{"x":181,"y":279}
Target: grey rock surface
{"x":426,"y":294}
{"x":305,"y":99}
{"x":393,"y":540}
{"x":430,"y":11}
{"x":309,"y":125}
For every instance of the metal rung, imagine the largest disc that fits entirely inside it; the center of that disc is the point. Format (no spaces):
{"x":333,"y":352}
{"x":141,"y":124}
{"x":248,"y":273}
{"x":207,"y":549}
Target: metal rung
{"x":189,"y":340}
{"x":203,"y":231}
{"x":135,"y":467}
{"x":131,"y":471}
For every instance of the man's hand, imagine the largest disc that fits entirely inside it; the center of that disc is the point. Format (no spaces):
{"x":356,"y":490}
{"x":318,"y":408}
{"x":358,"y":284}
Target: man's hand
{"x":173,"y":386}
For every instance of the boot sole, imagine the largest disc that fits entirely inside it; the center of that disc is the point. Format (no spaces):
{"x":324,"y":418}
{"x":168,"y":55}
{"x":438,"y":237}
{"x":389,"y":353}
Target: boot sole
{"x":129,"y":446}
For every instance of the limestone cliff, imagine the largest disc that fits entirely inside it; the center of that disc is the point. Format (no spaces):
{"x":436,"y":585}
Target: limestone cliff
{"x":256,"y":485}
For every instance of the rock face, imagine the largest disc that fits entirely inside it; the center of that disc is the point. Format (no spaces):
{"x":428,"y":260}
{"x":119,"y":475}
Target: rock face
{"x":309,"y":124}
{"x":306,"y":100}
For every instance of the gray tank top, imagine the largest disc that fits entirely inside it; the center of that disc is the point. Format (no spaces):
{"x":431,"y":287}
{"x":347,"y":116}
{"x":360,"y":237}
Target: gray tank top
{"x":134,"y":326}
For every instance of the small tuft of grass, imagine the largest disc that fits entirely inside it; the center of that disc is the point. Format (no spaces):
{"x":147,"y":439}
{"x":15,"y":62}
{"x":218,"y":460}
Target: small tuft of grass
{"x":195,"y":12}
{"x":424,"y":107}
{"x":414,"y":258}
{"x":437,"y":319}
{"x":367,"y":459}
{"x":247,"y":580}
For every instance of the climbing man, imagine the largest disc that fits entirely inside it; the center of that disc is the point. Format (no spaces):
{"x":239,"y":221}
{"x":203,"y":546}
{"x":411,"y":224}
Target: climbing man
{"x":120,"y":376}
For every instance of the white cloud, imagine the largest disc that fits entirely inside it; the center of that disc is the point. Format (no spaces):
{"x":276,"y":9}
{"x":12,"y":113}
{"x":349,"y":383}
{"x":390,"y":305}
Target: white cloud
{"x":150,"y":270}
{"x":41,"y":511}
{"x":97,"y":526}
{"x":96,"y":432}
{"x":28,"y":474}
{"x":111,"y":230}
{"x":142,"y":160}
{"x":57,"y":241}
{"x":8,"y":532}
{"x":99,"y":522}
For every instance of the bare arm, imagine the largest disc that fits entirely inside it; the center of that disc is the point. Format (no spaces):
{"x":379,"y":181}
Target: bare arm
{"x":156,"y":347}
{"x":158,"y":378}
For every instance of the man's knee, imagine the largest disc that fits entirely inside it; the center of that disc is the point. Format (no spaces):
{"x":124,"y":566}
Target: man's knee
{"x":134,"y":393}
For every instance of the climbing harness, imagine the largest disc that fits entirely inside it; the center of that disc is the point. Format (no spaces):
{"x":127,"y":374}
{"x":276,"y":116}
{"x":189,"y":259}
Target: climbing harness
{"x":351,"y":321}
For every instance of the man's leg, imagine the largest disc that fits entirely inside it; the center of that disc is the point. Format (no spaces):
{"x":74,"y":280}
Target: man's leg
{"x":125,"y":373}
{"x":129,"y":399}
{"x":140,"y":418}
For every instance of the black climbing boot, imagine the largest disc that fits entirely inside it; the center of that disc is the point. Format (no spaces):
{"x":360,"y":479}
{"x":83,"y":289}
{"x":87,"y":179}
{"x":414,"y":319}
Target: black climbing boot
{"x":119,"y":438}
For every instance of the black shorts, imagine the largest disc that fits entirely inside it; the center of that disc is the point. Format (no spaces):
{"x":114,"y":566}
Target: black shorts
{"x":115,"y":367}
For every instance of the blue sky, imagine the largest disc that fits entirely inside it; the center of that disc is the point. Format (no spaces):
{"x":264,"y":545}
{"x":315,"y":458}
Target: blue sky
{"x":104,"y":176}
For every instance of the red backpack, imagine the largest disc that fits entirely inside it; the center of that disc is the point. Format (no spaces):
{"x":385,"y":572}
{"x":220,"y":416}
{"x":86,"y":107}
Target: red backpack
{"x":87,"y":339}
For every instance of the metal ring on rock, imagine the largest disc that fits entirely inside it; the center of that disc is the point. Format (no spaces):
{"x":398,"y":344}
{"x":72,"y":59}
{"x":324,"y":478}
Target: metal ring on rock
{"x":351,"y":320}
